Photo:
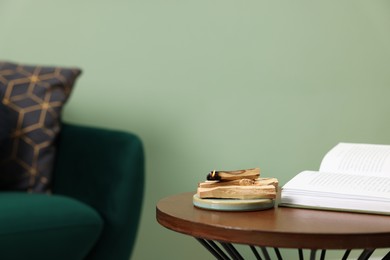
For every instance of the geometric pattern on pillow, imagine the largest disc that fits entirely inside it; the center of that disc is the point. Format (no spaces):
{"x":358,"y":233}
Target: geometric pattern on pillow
{"x":35,"y":96}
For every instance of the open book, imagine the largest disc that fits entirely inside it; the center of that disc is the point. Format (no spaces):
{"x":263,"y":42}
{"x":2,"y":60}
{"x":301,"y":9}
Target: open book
{"x":352,"y":177}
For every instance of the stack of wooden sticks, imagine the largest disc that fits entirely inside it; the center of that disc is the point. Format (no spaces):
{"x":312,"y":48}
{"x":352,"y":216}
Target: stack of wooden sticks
{"x":241,"y":184}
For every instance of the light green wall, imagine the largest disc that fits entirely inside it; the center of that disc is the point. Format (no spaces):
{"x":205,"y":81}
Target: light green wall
{"x":214,"y":84}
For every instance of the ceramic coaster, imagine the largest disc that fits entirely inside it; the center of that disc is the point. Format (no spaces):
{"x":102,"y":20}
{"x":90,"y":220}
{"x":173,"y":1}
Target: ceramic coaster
{"x":233,"y":204}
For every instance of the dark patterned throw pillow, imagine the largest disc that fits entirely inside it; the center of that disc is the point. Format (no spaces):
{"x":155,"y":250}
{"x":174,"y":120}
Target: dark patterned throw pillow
{"x":35,"y":96}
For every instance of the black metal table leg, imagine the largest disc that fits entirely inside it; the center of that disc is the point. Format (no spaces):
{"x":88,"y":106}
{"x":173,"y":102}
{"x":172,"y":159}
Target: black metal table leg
{"x":387,"y":256}
{"x":277,"y":252}
{"x":213,"y":249}
{"x":254,"y":251}
{"x":231,"y":250}
{"x":300,"y":253}
{"x":228,"y":251}
{"x":323,"y":252}
{"x":366,"y":254}
{"x":346,"y":254}
{"x":313,"y":254}
{"x":265,"y":253}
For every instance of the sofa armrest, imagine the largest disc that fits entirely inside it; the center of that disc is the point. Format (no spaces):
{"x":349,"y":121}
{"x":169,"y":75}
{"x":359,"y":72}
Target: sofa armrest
{"x":105,"y":169}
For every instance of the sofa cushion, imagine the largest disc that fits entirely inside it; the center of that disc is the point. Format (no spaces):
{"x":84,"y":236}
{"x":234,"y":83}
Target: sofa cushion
{"x":4,"y":123}
{"x":46,"y":226}
{"x":35,"y":96}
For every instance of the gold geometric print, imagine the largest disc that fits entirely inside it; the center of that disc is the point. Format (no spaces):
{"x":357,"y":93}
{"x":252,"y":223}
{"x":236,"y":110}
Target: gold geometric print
{"x":35,"y":96}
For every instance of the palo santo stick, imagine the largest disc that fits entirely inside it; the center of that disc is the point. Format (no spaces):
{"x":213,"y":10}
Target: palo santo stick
{"x":268,"y":181}
{"x":238,"y":192}
{"x":234,"y":175}
{"x":241,"y":182}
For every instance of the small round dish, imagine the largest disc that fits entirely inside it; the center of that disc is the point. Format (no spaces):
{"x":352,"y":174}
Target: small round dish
{"x":233,"y":204}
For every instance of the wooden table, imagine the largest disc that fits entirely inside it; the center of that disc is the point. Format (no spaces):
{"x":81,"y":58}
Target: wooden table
{"x":276,"y":228}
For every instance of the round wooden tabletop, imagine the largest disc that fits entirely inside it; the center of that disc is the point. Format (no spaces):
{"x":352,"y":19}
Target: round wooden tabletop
{"x":278,"y":227}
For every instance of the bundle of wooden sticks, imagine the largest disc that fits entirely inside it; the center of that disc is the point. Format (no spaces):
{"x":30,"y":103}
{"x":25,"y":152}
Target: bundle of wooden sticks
{"x":241,"y":184}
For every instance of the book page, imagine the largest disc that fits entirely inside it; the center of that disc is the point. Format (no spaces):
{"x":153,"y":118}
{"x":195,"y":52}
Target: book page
{"x":350,"y":158}
{"x":340,"y":185}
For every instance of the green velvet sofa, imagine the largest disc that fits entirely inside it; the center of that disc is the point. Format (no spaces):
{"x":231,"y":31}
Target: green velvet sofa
{"x":94,"y":208}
